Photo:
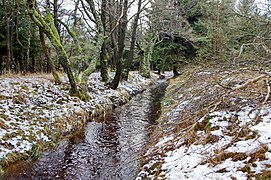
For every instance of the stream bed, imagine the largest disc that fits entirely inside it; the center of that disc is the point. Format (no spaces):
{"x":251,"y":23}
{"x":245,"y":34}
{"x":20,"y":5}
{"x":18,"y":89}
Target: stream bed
{"x":108,"y":148}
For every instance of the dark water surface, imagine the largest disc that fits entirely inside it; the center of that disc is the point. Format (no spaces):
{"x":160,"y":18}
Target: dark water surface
{"x":108,"y":148}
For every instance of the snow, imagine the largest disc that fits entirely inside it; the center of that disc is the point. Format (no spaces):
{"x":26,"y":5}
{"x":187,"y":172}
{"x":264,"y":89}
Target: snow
{"x":163,"y":141}
{"x":33,"y":109}
{"x":191,"y":162}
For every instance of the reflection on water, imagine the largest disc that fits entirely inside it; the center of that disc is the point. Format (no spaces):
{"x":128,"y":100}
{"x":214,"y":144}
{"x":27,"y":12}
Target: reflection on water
{"x":108,"y":148}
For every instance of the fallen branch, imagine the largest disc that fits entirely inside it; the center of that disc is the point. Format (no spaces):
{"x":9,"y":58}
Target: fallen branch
{"x":264,"y":102}
{"x":267,"y":50}
{"x":268,"y":92}
{"x":249,"y":82}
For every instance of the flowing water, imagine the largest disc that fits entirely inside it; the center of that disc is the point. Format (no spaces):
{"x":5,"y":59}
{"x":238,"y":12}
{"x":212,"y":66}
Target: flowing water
{"x":108,"y":148}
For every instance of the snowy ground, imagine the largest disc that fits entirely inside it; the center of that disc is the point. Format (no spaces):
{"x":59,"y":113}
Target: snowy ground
{"x":34,"y":111}
{"x":211,"y":132}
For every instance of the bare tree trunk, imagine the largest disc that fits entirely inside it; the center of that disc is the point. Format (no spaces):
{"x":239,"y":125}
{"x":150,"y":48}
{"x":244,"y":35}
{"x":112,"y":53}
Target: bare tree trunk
{"x":11,"y":46}
{"x":19,"y":57}
{"x":132,"y":44}
{"x":56,"y":16}
{"x":27,"y":60}
{"x":8,"y":37}
{"x":122,"y":30}
{"x":47,"y":56}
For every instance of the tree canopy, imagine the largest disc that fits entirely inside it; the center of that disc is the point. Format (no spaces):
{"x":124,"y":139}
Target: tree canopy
{"x":83,"y":36}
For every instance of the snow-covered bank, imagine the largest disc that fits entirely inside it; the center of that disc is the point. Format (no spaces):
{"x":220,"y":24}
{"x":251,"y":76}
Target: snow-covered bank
{"x":34,"y":112}
{"x":211,"y":131}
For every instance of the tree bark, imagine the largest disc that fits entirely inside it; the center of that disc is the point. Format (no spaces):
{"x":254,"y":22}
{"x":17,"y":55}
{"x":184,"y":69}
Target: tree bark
{"x":8,"y":37}
{"x":27,"y":60}
{"x":51,"y":32}
{"x":103,"y":60}
{"x":122,"y":30}
{"x":56,"y":16}
{"x":47,"y":56}
{"x":132,"y":44}
{"x":145,"y":63}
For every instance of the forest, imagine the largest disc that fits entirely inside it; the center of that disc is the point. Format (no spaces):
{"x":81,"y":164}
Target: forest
{"x":80,"y":37}
{"x":193,"y":77}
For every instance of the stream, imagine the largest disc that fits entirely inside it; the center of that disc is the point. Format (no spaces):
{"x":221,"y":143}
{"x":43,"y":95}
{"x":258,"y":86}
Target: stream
{"x":108,"y":148}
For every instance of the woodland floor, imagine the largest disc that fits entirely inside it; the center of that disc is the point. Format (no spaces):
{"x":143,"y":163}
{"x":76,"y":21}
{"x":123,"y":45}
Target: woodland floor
{"x":35,"y":113}
{"x":215,"y":124}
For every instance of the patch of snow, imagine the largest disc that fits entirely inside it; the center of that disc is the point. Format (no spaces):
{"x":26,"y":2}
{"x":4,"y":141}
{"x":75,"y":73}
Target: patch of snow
{"x":192,"y":161}
{"x":204,"y":73}
{"x":163,"y":141}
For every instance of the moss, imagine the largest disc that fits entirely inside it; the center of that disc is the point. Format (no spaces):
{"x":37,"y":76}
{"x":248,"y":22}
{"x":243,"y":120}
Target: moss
{"x":14,"y":124}
{"x":19,"y":132}
{"x":2,"y":97}
{"x":82,"y":94}
{"x":35,"y":151}
{"x":3,"y":125}
{"x":44,"y":120}
{"x":205,"y":125}
{"x":14,"y":83}
{"x":1,"y":171}
{"x":19,"y":99}
{"x":11,"y":135}
{"x":24,"y":87}
{"x":7,"y":145}
{"x":4,"y":116}
{"x":10,"y":158}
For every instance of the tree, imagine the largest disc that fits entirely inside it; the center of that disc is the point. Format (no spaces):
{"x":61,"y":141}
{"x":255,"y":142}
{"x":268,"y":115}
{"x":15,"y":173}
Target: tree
{"x":119,"y":46}
{"x":132,"y":42}
{"x":48,"y":58}
{"x":169,"y":26}
{"x":48,"y":27}
{"x":8,"y":34}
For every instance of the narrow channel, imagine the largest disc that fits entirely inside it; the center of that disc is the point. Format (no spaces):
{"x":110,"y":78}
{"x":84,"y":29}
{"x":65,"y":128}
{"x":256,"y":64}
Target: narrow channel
{"x":109,"y":147}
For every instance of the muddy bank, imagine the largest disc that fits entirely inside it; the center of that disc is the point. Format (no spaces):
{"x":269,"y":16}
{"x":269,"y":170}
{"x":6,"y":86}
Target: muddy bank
{"x":35,"y":113}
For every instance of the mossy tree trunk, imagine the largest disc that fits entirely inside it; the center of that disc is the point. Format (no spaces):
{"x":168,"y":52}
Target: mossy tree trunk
{"x":50,"y":30}
{"x":91,"y":69}
{"x":103,"y":62}
{"x":145,"y":67}
{"x":102,"y":25}
{"x":101,"y":39}
{"x":145,"y":63}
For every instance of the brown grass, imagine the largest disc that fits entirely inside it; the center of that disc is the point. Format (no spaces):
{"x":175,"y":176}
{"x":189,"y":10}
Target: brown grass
{"x":264,"y":175}
{"x":259,"y":154}
{"x":2,"y":125}
{"x":218,"y":159}
{"x":215,"y":95}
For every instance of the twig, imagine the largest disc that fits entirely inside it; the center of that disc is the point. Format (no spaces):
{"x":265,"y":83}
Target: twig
{"x":268,"y":91}
{"x":249,"y":44}
{"x":249,"y":82}
{"x":264,"y":102}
